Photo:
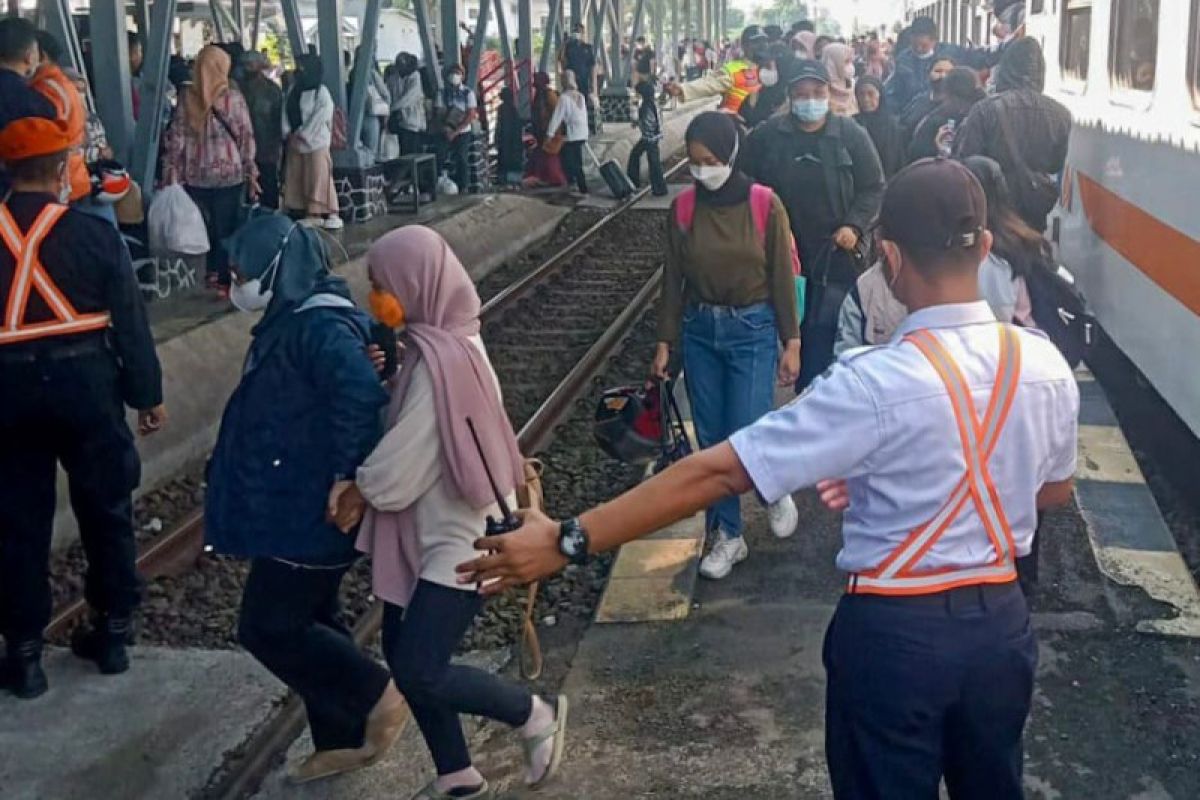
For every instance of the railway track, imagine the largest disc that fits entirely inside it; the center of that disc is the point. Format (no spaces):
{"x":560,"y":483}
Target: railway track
{"x":549,"y":314}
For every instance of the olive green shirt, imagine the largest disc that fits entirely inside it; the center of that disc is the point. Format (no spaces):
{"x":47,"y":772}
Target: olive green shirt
{"x":721,"y":262}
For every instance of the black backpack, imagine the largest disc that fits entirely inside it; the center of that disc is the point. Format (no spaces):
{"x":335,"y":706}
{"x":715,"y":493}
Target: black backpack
{"x":1060,"y":311}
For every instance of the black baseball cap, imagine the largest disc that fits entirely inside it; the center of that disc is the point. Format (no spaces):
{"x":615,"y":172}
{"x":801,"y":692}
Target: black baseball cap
{"x":807,"y":69}
{"x":935,"y":203}
{"x":753,"y":33}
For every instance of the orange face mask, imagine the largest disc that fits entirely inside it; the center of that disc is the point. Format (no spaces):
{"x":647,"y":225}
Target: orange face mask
{"x":386,"y":308}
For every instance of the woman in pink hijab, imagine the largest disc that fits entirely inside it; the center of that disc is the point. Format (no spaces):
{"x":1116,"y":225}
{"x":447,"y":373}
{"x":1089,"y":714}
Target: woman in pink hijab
{"x":804,"y":45}
{"x":839,"y":60}
{"x":429,"y":499}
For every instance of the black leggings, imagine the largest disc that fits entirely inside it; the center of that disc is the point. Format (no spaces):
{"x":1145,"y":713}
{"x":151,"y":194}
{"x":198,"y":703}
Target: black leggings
{"x":221,"y":207}
{"x":572,"y":162}
{"x":289,"y":622}
{"x":418,"y":643}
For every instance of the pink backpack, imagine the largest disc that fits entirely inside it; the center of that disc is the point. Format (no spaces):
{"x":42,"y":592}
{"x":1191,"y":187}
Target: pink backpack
{"x":760,"y":209}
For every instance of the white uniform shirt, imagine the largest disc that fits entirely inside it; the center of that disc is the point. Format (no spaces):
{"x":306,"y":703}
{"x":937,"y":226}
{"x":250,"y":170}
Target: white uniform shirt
{"x":881,"y":418}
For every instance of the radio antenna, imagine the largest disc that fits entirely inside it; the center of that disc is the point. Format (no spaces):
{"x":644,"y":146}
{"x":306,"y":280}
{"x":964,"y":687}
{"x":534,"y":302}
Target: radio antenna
{"x":504,"y":509}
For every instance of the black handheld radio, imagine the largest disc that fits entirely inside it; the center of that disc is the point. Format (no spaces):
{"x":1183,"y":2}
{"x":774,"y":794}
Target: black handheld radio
{"x":508,"y":521}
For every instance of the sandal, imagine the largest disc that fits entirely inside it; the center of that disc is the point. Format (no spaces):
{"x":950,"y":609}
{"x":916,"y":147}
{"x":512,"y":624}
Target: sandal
{"x":557,"y":731}
{"x":430,"y":792}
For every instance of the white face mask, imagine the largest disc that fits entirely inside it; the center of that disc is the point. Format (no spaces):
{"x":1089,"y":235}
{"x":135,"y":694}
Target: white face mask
{"x":64,"y":187}
{"x":249,"y":296}
{"x":768,"y":77}
{"x":711,"y":177}
{"x":456,"y":79}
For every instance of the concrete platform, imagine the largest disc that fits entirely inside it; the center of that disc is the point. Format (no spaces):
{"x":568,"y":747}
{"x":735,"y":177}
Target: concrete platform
{"x":156,"y":732}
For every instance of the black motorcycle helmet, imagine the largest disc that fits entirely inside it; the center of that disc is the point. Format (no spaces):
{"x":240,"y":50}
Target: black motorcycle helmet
{"x":628,"y":424}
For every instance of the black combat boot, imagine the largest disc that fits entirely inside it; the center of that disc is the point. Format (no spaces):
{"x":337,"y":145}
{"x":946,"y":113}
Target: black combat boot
{"x":104,"y":642}
{"x":21,"y":671}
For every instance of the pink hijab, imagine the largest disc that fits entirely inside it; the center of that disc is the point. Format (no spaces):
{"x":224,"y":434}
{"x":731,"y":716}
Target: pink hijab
{"x":804,"y":43}
{"x":441,"y":309}
{"x":838,"y":59}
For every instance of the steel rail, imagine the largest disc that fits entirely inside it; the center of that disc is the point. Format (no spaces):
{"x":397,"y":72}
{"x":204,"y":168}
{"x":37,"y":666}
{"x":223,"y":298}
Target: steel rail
{"x":512,"y":293}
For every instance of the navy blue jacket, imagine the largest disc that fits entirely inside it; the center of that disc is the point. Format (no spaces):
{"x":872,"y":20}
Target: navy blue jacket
{"x":911,"y":76}
{"x":306,"y":413}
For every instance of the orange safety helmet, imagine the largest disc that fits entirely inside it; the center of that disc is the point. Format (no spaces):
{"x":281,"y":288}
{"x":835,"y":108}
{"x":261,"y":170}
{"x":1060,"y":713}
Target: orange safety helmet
{"x":30,"y":137}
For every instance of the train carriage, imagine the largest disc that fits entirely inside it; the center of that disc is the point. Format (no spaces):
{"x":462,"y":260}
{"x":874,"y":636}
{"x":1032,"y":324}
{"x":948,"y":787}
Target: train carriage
{"x":1126,"y":226}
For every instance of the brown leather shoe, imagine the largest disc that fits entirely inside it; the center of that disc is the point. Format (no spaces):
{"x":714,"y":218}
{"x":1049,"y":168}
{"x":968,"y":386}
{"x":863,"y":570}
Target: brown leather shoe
{"x":385,"y":724}
{"x":327,"y":763}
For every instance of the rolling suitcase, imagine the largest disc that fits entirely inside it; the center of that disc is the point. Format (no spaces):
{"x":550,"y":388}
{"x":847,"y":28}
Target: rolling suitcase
{"x":616,"y":178}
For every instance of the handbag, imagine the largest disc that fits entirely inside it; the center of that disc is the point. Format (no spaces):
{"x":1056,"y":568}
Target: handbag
{"x":531,"y":495}
{"x":377,"y":105}
{"x":1061,"y":312}
{"x":1034,"y":193}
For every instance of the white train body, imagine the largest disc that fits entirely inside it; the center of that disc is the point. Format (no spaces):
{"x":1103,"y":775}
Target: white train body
{"x":1128,"y":222}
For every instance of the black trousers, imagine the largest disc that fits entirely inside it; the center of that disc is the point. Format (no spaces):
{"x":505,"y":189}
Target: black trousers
{"x":410,"y":142}
{"x":418,"y":643}
{"x":658,"y":183}
{"x":289,"y":622}
{"x":221,"y":207}
{"x":929,"y":687}
{"x":572,"y":162}
{"x":268,"y":181}
{"x":69,"y":411}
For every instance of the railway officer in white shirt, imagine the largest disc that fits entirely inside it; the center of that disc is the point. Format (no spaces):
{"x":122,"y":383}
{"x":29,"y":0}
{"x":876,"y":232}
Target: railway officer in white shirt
{"x":947,"y":441}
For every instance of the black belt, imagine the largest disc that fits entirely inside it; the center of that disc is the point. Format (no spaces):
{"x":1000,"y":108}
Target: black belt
{"x":52,"y":351}
{"x":984,"y":592}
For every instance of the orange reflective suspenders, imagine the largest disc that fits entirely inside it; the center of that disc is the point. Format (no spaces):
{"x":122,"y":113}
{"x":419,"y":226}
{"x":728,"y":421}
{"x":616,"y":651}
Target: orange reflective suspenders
{"x":29,"y":274}
{"x":898,"y":575}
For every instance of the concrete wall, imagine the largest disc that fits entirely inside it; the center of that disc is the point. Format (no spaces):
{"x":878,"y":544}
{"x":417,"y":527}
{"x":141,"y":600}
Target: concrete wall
{"x":201,"y":366}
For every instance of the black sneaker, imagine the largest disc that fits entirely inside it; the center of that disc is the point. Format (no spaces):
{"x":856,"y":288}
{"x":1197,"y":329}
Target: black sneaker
{"x":104,"y":643}
{"x":21,"y":671}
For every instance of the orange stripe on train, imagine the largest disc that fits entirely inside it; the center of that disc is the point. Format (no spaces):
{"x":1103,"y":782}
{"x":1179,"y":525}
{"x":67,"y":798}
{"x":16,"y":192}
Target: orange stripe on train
{"x":1164,"y":254}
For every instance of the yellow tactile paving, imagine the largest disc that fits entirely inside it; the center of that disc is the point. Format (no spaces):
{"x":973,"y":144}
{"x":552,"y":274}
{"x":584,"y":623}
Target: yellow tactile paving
{"x":646,"y":600}
{"x":653,"y":579}
{"x":1104,"y":455}
{"x":1162,"y":575}
{"x":655,"y":558}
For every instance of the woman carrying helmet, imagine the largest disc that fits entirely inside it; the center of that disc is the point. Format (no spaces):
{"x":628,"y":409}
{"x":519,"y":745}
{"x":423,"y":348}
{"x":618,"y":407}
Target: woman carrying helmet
{"x":728,"y":301}
{"x":427,"y":496}
{"x":301,"y":420}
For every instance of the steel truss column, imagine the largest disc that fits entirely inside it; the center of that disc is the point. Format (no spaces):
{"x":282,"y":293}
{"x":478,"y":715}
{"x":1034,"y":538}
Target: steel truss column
{"x":110,"y":58}
{"x":214,"y":8}
{"x":421,"y":11}
{"x":255,"y":26}
{"x":616,"y":15}
{"x":369,"y":31}
{"x":480,"y":36}
{"x":576,"y":13}
{"x":506,"y":48}
{"x":525,"y":55}
{"x":449,"y":32}
{"x":639,"y":8}
{"x":600,"y":16}
{"x":238,"y":27}
{"x":329,"y":41}
{"x":550,"y":36}
{"x":295,"y":30}
{"x":154,"y":89}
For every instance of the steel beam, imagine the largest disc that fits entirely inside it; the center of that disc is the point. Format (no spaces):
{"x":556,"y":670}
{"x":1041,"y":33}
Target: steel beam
{"x":214,"y":9}
{"x":368,"y":34}
{"x":157,"y":50}
{"x":110,"y":58}
{"x":255,"y":26}
{"x":506,"y":47}
{"x":550,"y":35}
{"x":449,"y":31}
{"x":576,"y":14}
{"x":295,"y":30}
{"x":639,"y":8}
{"x":238,"y":27}
{"x":329,"y":42}
{"x":480,"y":36}
{"x":618,"y":75}
{"x":425,"y":31}
{"x":141,"y":17}
{"x":525,"y":55}
{"x":600,"y":16}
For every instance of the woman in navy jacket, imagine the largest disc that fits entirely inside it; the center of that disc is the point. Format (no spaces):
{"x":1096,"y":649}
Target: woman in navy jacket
{"x":303,"y":417}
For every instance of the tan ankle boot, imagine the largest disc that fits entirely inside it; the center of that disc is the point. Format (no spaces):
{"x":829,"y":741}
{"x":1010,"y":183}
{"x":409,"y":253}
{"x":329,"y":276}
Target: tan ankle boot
{"x":327,"y":763}
{"x":386,"y":722}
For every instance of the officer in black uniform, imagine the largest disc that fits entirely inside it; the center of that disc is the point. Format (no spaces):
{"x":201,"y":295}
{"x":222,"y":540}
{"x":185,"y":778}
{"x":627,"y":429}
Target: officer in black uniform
{"x":75,"y":348}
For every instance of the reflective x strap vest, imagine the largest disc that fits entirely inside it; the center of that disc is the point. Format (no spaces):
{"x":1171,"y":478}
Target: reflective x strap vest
{"x":29,"y":275}
{"x":899,"y":573}
{"x":745,"y":83}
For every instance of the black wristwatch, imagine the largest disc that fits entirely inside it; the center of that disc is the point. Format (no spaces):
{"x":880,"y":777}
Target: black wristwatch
{"x":573,"y":541}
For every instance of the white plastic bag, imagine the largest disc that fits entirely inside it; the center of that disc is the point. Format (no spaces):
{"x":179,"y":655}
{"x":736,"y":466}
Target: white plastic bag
{"x":174,"y":223}
{"x":446,"y":186}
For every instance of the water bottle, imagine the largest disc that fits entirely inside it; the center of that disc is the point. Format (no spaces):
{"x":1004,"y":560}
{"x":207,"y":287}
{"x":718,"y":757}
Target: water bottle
{"x":946,"y":139}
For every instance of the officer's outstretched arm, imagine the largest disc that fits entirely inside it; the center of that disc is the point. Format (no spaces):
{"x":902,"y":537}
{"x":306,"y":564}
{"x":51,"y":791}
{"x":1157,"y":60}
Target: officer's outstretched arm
{"x":531,"y":552}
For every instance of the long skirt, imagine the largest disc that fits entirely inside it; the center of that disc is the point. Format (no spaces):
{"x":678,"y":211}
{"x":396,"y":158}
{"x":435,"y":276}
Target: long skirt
{"x":308,"y":183}
{"x":545,"y":168}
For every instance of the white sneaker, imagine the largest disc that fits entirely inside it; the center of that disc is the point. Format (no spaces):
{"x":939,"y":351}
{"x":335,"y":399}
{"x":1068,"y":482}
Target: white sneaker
{"x":334,"y":223}
{"x":728,"y":551}
{"x":313,"y":222}
{"x":784,"y":517}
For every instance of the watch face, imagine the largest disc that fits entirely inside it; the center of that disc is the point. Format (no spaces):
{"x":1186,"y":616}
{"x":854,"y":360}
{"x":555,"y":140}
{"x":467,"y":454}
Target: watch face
{"x":574,"y":543}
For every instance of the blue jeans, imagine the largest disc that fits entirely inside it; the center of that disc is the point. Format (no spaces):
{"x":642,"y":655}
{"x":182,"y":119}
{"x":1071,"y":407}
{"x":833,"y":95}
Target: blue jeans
{"x":730,"y":356}
{"x":93,"y":207}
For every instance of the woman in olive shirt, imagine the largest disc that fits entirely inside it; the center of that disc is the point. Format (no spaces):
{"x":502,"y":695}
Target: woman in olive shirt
{"x":730,"y":291}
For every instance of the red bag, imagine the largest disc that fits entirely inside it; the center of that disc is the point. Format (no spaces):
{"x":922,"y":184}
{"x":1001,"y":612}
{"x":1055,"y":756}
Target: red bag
{"x":337,"y":138}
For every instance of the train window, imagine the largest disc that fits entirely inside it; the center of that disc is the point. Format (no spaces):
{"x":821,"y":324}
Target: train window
{"x":1133,"y":46}
{"x":1076,"y":39}
{"x":1194,"y":54}
{"x":1037,"y":6}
